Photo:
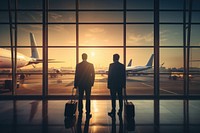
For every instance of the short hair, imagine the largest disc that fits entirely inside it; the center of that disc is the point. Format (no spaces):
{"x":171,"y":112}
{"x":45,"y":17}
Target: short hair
{"x":84,"y":56}
{"x":116,"y":57}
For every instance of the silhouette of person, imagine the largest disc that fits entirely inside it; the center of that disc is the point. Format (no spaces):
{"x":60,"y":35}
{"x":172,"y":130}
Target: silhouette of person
{"x":116,"y":82}
{"x":84,"y":80}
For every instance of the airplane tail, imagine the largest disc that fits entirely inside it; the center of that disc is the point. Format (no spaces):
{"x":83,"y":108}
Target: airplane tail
{"x":150,"y":62}
{"x":130,"y":63}
{"x":34,"y":51}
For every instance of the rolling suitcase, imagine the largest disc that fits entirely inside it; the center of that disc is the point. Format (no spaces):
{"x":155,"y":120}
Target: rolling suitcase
{"x":70,"y":106}
{"x":129,"y":114}
{"x":129,"y":108}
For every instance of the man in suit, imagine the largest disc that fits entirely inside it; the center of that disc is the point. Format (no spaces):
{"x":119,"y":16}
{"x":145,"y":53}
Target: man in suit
{"x":84,"y":80}
{"x":116,"y":83}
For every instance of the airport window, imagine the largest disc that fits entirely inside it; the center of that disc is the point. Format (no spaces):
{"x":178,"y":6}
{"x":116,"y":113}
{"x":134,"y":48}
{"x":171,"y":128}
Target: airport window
{"x":193,"y":111}
{"x":62,"y":4}
{"x":171,"y":17}
{"x":103,"y":4}
{"x":139,"y":4}
{"x":5,"y":38}
{"x":136,"y":16}
{"x":171,"y":4}
{"x":26,"y":32}
{"x":65,"y":33}
{"x":61,"y":70}
{"x":103,"y":17}
{"x":139,"y":35}
{"x":171,"y":35}
{"x":29,"y":16}
{"x":100,"y":35}
{"x":172,"y":110}
{"x":4,"y":17}
{"x":195,"y":40}
{"x":61,"y":16}
{"x":137,"y":81}
{"x":29,"y":4}
{"x":160,"y":36}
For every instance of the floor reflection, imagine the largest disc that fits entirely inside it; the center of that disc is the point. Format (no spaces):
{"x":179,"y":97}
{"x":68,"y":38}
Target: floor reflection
{"x":48,"y":117}
{"x":34,"y":108}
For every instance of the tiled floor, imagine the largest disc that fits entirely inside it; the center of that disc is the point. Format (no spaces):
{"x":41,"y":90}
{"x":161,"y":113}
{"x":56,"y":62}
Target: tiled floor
{"x":24,"y":116}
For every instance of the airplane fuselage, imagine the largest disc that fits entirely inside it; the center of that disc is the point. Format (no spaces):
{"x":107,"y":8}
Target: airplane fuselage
{"x":137,"y":68}
{"x":6,"y":62}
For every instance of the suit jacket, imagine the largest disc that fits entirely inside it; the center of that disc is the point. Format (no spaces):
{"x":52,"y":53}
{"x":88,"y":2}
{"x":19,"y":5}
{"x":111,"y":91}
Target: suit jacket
{"x":84,"y":76}
{"x":116,"y":76}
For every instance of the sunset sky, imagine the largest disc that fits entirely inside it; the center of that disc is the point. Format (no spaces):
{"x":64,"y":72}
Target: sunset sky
{"x":104,"y":34}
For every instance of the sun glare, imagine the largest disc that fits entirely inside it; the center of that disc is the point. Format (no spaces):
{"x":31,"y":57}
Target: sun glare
{"x":92,"y":54}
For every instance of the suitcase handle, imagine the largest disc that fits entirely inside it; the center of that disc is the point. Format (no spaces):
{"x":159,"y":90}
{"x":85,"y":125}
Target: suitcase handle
{"x":72,"y":93}
{"x":125,"y":96}
{"x":73,"y":90}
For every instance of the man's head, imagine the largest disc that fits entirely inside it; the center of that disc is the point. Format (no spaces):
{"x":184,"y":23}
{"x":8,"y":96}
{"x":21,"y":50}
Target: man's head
{"x":116,"y":57}
{"x":84,"y":56}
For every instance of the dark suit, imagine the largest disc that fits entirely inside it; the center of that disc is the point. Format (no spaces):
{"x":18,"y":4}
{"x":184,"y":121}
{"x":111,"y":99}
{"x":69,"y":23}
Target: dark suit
{"x":116,"y":82}
{"x":84,"y":80}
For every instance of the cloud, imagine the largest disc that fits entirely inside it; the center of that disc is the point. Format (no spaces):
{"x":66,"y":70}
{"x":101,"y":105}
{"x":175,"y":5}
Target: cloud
{"x":96,"y":30}
{"x":56,"y":17}
{"x":140,"y":38}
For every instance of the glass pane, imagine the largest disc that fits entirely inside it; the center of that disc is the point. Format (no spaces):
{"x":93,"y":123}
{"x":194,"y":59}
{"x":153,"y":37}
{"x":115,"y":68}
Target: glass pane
{"x":171,"y":35}
{"x":194,"y":107}
{"x":171,"y":17}
{"x":29,"y":69}
{"x":6,"y":113}
{"x":140,"y":4}
{"x":29,"y":113}
{"x":101,"y":16}
{"x":194,"y":83}
{"x":171,"y":112}
{"x":195,"y":17}
{"x":101,"y":4}
{"x":61,"y":68}
{"x":56,"y":112}
{"x":171,"y":4}
{"x":6,"y":82}
{"x":196,"y":5}
{"x":24,"y":35}
{"x":195,"y":31}
{"x":28,"y":16}
{"x":62,"y":35}
{"x":101,"y":35}
{"x":101,"y":58}
{"x":194,"y":60}
{"x":62,"y":4}
{"x":139,"y":16}
{"x":194,"y":69}
{"x":61,"y":17}
{"x":171,"y":83}
{"x":29,"y":4}
{"x":143,"y":111}
{"x":4,"y":17}
{"x":139,"y":80}
{"x":4,"y":35}
{"x":5,"y":71}
{"x":139,"y":35}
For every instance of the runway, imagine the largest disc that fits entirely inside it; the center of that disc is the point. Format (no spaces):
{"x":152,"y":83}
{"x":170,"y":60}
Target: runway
{"x":135,"y":85}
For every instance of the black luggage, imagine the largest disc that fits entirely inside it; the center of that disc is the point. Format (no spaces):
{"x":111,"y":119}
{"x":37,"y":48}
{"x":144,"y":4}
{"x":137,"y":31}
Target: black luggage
{"x":129,"y":113}
{"x":129,"y":109}
{"x":70,"y":107}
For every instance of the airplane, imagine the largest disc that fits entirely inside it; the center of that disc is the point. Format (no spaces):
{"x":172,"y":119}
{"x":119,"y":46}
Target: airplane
{"x":22,"y":60}
{"x":132,"y":69}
